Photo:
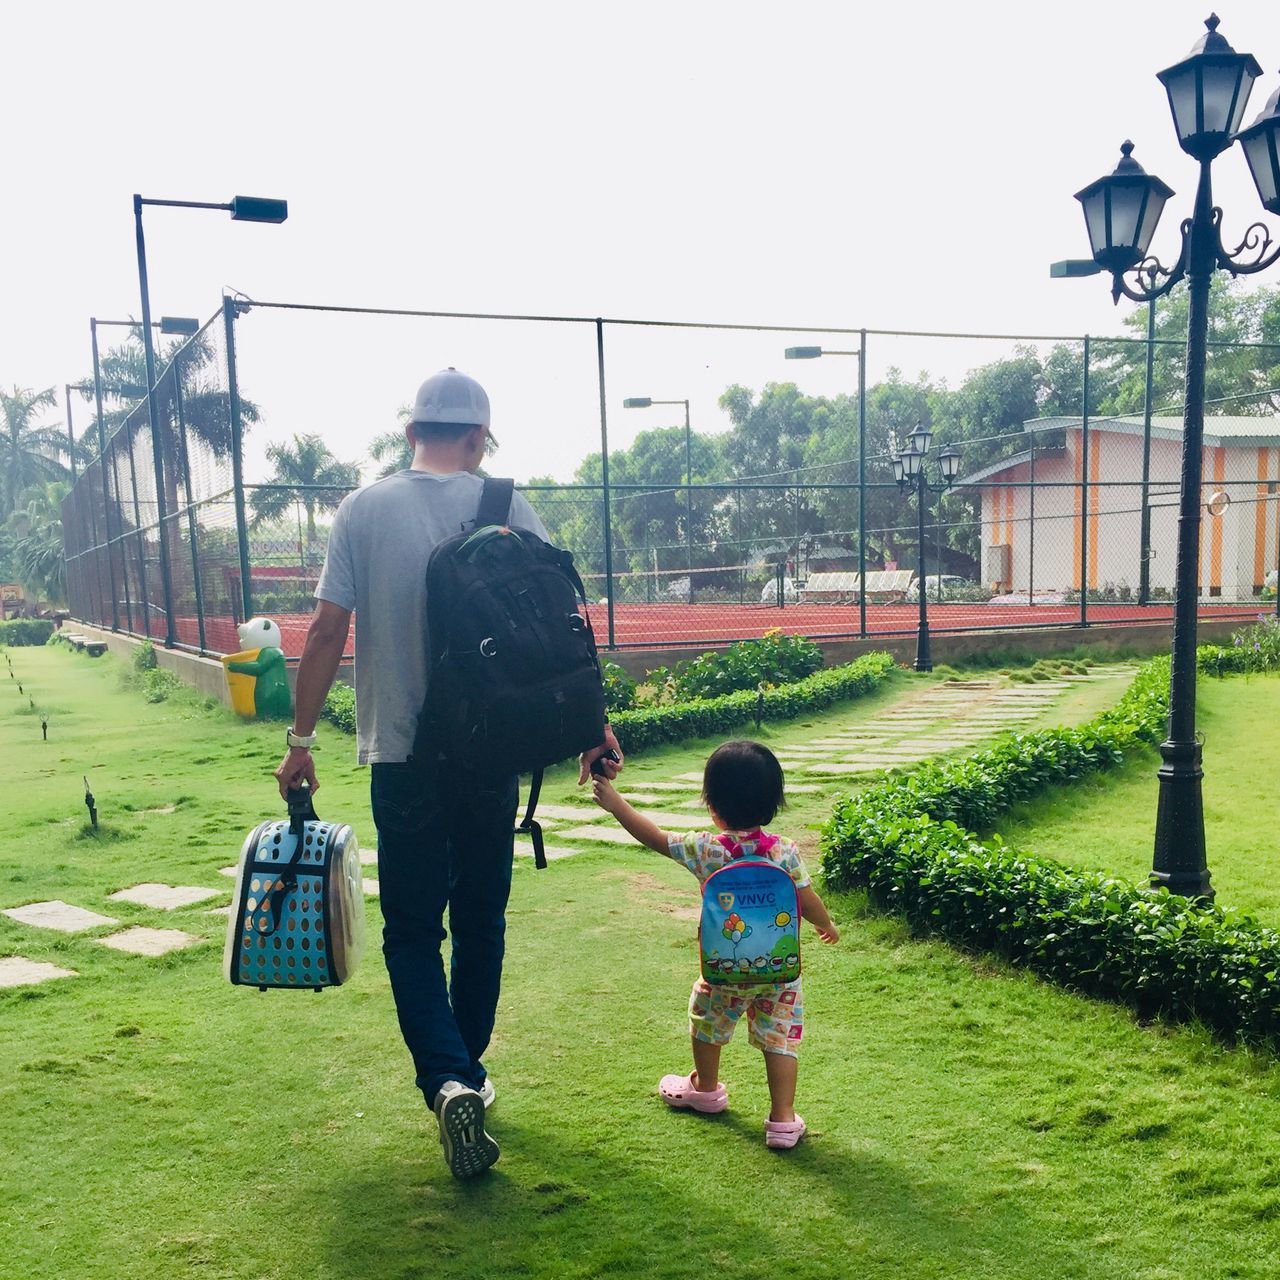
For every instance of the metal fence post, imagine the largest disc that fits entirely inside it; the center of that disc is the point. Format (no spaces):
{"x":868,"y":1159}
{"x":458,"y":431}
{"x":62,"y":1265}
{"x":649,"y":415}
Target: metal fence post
{"x":604,"y":477}
{"x":142,"y":542}
{"x":192,"y":528}
{"x":1144,"y":567}
{"x":862,"y":483}
{"x":1084,"y":494}
{"x":1031,"y":549}
{"x":237,"y":458}
{"x":102,"y":459}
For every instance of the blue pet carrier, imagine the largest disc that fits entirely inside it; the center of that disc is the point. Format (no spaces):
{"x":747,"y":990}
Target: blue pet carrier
{"x":297,"y":918}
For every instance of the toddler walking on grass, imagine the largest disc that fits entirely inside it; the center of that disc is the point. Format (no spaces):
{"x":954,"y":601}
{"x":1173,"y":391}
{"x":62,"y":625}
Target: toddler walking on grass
{"x":742,"y":787}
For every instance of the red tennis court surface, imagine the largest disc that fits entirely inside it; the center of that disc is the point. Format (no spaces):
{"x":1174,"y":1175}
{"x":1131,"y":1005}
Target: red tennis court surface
{"x":653,"y":626}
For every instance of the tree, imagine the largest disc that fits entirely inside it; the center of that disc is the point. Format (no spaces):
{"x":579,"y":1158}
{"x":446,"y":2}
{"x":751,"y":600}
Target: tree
{"x":29,"y":453}
{"x":307,"y":473}
{"x":34,"y":528}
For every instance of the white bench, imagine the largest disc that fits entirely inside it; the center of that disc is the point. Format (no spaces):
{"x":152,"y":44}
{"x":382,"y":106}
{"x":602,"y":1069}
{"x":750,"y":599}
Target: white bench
{"x":844,"y":588}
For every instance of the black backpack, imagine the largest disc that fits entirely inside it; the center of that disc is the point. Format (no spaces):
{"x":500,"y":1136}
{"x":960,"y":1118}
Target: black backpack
{"x":513,"y":681}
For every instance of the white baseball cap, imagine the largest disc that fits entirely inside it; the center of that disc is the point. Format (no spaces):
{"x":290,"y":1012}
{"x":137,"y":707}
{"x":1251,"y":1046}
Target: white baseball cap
{"x":452,"y":398}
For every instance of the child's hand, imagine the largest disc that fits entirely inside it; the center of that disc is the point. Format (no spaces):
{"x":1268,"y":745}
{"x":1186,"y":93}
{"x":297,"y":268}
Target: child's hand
{"x":605,"y":794}
{"x":828,"y":934}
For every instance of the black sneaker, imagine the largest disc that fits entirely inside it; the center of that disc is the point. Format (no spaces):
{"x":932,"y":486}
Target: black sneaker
{"x":468,"y":1150}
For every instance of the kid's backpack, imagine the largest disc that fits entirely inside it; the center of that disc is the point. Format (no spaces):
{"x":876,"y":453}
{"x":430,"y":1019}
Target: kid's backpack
{"x":297,"y":915}
{"x":750,"y":927}
{"x":513,"y":681}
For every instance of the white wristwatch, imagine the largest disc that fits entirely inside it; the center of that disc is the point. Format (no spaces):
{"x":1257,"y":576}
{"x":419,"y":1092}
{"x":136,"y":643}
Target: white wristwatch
{"x":306,"y":740}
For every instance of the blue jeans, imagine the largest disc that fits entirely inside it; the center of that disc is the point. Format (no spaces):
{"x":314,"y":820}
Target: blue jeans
{"x":444,"y":840}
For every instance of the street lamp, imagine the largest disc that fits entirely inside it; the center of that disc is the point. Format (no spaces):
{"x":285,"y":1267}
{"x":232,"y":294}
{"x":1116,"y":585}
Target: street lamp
{"x":242,"y":209}
{"x":909,"y":471}
{"x":813,"y":353}
{"x":645,"y":402}
{"x":1207,"y":92}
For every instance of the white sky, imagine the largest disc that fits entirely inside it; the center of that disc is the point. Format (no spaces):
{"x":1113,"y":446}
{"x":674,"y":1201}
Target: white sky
{"x":898,"y":166}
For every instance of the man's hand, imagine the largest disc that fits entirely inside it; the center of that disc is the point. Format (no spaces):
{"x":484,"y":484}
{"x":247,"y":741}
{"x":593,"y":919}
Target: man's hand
{"x":611,"y":767}
{"x":296,"y":767}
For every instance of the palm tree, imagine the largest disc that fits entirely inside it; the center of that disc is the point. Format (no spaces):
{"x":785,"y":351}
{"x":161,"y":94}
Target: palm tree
{"x":305,"y":472}
{"x":35,"y":525}
{"x":29,"y":454}
{"x":391,"y":449}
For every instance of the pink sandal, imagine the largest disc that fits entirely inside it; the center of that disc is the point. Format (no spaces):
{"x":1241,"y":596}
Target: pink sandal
{"x":678,"y":1091}
{"x":784,"y":1133}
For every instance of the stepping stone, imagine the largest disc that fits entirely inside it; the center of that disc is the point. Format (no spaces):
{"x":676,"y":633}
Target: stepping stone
{"x":229,"y":871}
{"x":571,"y":813}
{"x":691,"y":777}
{"x":682,"y":821}
{"x":219,"y":911}
{"x":640,"y":797}
{"x":368,"y":857}
{"x":609,"y":835}
{"x":164,"y":897}
{"x":553,"y":852}
{"x":370,"y":886}
{"x":59,"y":915}
{"x":141,"y":941}
{"x":849,"y":771}
{"x":668,"y":786}
{"x":17,"y":971}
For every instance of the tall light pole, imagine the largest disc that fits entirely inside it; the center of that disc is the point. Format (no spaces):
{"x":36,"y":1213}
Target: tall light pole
{"x":909,"y":472}
{"x":242,"y":209}
{"x":814,"y":353}
{"x":644,"y":402}
{"x":1208,"y":91}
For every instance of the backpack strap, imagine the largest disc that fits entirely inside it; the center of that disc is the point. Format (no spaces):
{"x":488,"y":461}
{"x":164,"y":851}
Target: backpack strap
{"x":495,"y":501}
{"x":534,"y":829}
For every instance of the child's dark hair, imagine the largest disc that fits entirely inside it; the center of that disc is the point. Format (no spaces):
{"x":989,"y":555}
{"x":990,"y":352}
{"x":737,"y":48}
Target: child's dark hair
{"x":742,"y":782}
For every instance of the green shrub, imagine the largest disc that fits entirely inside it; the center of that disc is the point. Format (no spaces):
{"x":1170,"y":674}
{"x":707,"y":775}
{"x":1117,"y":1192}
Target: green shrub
{"x":1255,"y":648}
{"x":649,"y":726}
{"x":340,"y":707}
{"x":144,"y":657}
{"x":159,"y":683}
{"x":773,"y":659}
{"x":909,"y":843}
{"x":619,"y":688}
{"x":19,"y":633}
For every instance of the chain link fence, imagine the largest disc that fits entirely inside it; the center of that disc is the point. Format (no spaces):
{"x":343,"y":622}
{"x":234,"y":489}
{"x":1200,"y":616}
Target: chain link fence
{"x":770,"y":497}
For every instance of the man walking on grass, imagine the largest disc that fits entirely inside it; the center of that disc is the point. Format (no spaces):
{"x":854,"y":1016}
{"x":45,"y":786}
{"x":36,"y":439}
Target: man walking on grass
{"x":445,"y":837}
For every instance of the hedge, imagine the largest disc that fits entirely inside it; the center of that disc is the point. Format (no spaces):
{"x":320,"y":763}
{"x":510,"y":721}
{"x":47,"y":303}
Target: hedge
{"x":906,"y":842}
{"x":637,"y":730}
{"x":21,"y":632}
{"x":650,"y":726}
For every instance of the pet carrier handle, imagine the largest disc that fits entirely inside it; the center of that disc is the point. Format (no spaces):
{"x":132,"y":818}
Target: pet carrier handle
{"x":301,"y":811}
{"x":531,"y":828}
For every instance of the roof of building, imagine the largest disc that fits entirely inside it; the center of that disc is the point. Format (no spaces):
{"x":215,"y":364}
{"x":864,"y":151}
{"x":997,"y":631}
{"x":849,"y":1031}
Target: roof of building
{"x":1219,"y":429}
{"x":1008,"y":464}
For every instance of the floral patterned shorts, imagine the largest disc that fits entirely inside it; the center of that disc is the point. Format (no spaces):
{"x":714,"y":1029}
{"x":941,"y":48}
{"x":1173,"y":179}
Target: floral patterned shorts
{"x":775,"y":1014}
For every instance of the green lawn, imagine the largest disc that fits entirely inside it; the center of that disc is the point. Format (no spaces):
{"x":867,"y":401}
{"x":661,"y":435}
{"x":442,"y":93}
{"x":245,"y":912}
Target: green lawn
{"x":1108,"y":822}
{"x":966,"y":1121}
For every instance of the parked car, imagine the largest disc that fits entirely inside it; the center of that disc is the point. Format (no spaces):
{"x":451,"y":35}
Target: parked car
{"x":952,"y":587}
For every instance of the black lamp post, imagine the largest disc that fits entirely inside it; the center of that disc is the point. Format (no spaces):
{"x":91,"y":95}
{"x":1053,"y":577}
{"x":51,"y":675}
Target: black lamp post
{"x":242,"y":209}
{"x":1207,"y":92}
{"x":909,"y":472}
{"x":644,"y":402}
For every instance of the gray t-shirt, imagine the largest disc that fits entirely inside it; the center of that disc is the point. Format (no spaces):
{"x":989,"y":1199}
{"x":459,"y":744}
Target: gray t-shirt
{"x":376,"y":565}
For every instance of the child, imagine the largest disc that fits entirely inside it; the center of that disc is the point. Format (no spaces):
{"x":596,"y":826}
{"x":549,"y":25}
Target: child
{"x":742,"y":789}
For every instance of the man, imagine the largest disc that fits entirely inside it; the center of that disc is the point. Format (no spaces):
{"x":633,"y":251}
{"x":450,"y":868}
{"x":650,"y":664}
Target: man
{"x":445,"y":838}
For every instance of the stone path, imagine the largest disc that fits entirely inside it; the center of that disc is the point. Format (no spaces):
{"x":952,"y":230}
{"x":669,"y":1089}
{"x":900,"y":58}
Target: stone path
{"x":944,"y":718}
